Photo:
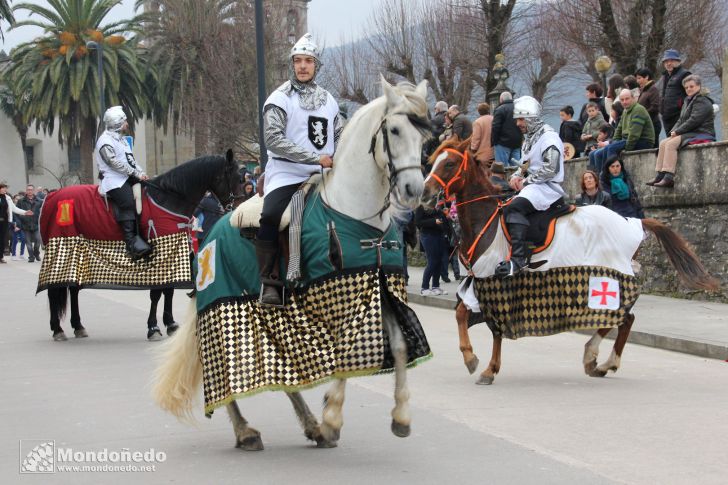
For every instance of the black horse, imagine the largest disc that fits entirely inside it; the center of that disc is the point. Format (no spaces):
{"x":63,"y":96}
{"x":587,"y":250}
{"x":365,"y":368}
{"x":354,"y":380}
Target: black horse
{"x":178,"y":191}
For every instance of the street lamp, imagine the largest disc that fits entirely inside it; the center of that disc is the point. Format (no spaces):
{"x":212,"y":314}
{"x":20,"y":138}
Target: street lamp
{"x":100,"y":68}
{"x":602,"y":65}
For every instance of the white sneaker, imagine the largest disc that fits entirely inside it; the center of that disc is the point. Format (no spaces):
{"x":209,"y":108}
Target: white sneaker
{"x":437,"y":291}
{"x":15,"y":258}
{"x":426,"y":292}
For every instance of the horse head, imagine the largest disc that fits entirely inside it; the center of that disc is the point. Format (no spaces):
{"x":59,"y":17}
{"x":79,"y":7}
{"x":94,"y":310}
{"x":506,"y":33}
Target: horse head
{"x":451,"y":163}
{"x":226,"y":183}
{"x":397,"y":144}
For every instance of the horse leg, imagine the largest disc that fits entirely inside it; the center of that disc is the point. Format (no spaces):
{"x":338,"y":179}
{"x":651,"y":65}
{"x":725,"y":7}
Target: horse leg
{"x":462,"y":314}
{"x":167,"y":316}
{"x":79,"y":331}
{"x":153,"y":332}
{"x":332,"y":419}
{"x":308,"y":421}
{"x":591,"y":352}
{"x":488,"y":375}
{"x":401,"y":418}
{"x":246,"y":437}
{"x":57,"y":306}
{"x":615,"y":357}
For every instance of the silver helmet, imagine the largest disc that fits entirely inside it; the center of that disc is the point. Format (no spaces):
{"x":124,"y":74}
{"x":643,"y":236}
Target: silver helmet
{"x":114,"y":118}
{"x":527,"y":108}
{"x":306,"y":46}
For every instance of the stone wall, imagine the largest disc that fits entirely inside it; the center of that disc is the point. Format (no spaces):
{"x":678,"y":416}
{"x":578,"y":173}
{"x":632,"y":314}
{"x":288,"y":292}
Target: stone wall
{"x":697,"y":208}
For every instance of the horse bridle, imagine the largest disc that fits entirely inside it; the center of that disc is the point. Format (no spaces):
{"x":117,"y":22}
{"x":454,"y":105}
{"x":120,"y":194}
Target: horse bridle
{"x":418,"y":122}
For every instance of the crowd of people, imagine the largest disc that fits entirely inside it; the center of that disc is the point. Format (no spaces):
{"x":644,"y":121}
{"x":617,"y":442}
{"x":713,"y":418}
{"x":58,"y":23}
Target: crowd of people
{"x":19,"y":228}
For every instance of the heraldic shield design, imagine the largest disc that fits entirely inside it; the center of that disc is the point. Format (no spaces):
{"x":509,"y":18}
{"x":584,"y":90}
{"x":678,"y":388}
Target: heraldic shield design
{"x":318,"y":131}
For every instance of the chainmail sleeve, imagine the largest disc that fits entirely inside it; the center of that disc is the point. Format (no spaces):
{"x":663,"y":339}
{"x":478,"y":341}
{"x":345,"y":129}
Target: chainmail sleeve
{"x":338,"y":128}
{"x":274,"y":133}
{"x":549,"y":169}
{"x":108,"y":156}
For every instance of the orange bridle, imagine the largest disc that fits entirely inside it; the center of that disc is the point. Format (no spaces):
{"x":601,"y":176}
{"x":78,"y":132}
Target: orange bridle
{"x":458,"y":175}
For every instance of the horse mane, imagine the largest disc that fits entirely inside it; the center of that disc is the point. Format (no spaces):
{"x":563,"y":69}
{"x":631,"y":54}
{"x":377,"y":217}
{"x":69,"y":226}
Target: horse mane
{"x":182,"y":177}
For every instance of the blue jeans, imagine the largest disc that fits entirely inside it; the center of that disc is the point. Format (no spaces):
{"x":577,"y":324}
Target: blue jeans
{"x":434,"y":245}
{"x":503,"y":154}
{"x":598,"y":157}
{"x":18,"y":237}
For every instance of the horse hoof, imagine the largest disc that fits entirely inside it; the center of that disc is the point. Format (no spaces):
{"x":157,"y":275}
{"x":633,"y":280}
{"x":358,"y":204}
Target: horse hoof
{"x":472,"y":364}
{"x":324,"y":443}
{"x":60,"y":336}
{"x":154,"y":334}
{"x":171,"y":328}
{"x":250,"y":443}
{"x":400,"y":430}
{"x":597,"y":372}
{"x":590,"y":367}
{"x":330,"y":434}
{"x":484,"y":381}
{"x":80,"y":333}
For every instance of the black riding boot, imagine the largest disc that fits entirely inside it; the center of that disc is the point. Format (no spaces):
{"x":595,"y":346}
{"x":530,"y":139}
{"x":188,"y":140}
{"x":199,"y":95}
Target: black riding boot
{"x":135,"y":245}
{"x":520,"y":252}
{"x":267,"y":254}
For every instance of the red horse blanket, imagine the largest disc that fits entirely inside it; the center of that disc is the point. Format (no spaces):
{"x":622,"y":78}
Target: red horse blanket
{"x":84,"y":247}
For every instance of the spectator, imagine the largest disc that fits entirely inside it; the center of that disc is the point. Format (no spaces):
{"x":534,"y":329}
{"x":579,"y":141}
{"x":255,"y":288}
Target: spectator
{"x":17,"y":236}
{"x":438,"y":127}
{"x":615,"y":180}
{"x":498,"y":178}
{"x":208,"y":212}
{"x":615,"y":114}
{"x":650,"y":99}
{"x":505,"y":137}
{"x":40,"y":192}
{"x":634,"y":132}
{"x":673,"y":92}
{"x":615,"y":84}
{"x":480,"y":142}
{"x":591,"y":194}
{"x":29,"y":222}
{"x":447,"y":132}
{"x":432,"y":226}
{"x":405,"y":223}
{"x":450,"y":257}
{"x":593,"y":95}
{"x":590,"y":131}
{"x":248,"y":190}
{"x":462,"y":127}
{"x":695,"y":123}
{"x":570,"y":130}
{"x":631,"y":83}
{"x":7,"y":209}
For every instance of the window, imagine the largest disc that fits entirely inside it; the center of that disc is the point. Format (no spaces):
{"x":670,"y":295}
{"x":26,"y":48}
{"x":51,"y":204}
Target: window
{"x":29,"y":152}
{"x":74,"y":158}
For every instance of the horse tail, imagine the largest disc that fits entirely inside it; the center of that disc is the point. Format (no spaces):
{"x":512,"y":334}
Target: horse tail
{"x":177,"y":378}
{"x":682,"y":257}
{"x":58,"y":300}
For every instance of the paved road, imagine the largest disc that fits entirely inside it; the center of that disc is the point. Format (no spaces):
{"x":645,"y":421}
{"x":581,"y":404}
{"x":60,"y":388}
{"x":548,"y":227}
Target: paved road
{"x":662,"y":419}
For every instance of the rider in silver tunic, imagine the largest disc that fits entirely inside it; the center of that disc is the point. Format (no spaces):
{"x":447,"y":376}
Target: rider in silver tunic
{"x":118,"y":172}
{"x":539,"y":187}
{"x":301,"y":130}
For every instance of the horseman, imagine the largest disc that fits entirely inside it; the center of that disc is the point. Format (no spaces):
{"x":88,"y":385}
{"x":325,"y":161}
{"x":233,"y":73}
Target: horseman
{"x":118,"y":172}
{"x":301,"y":129}
{"x":539,"y":186}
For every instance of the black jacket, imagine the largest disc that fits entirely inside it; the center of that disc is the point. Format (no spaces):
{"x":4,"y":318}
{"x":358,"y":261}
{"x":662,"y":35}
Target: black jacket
{"x":462,"y":127}
{"x":570,"y":132}
{"x":697,"y":117}
{"x":673,"y":92}
{"x":504,"y":131}
{"x":30,"y":223}
{"x":601,"y":198}
{"x":583,"y":115}
{"x":426,"y":221}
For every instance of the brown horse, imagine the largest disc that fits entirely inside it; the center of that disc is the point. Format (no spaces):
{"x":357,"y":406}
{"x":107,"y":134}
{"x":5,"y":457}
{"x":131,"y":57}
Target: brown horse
{"x":462,"y":178}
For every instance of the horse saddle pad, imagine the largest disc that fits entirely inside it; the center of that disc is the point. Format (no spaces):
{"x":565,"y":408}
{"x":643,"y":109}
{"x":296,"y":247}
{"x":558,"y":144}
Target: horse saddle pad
{"x":247,"y":214}
{"x":543,"y":224}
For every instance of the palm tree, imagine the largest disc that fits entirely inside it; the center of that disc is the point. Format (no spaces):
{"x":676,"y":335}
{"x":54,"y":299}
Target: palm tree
{"x":13,"y":105}
{"x":59,"y":73}
{"x":6,"y":14}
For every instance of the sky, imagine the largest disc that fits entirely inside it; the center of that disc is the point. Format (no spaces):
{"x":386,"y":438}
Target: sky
{"x":330,"y":21}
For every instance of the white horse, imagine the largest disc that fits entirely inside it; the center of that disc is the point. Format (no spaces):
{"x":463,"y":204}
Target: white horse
{"x":378,"y":156}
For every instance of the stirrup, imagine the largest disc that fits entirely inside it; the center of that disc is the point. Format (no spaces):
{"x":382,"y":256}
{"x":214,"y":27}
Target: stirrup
{"x":507,"y":269}
{"x":273,"y":305}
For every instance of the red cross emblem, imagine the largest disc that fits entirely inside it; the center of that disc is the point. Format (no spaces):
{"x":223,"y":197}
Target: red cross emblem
{"x":603,"y":293}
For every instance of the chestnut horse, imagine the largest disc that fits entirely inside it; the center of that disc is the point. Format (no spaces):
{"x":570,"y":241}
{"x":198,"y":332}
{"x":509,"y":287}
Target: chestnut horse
{"x":461,"y":177}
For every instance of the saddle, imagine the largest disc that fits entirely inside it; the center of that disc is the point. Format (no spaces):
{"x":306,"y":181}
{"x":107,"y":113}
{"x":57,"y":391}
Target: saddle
{"x":542,"y":225}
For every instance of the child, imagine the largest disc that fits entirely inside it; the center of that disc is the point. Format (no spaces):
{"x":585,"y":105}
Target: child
{"x":591,"y":128}
{"x":570,"y":130}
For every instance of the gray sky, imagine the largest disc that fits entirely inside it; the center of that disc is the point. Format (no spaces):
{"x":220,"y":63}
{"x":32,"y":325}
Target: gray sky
{"x":328,"y":20}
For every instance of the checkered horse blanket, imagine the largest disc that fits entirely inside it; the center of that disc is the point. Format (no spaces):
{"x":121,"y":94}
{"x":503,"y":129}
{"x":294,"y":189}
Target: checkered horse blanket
{"x":583,"y":281}
{"x":84,"y":246}
{"x":331,"y":326}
